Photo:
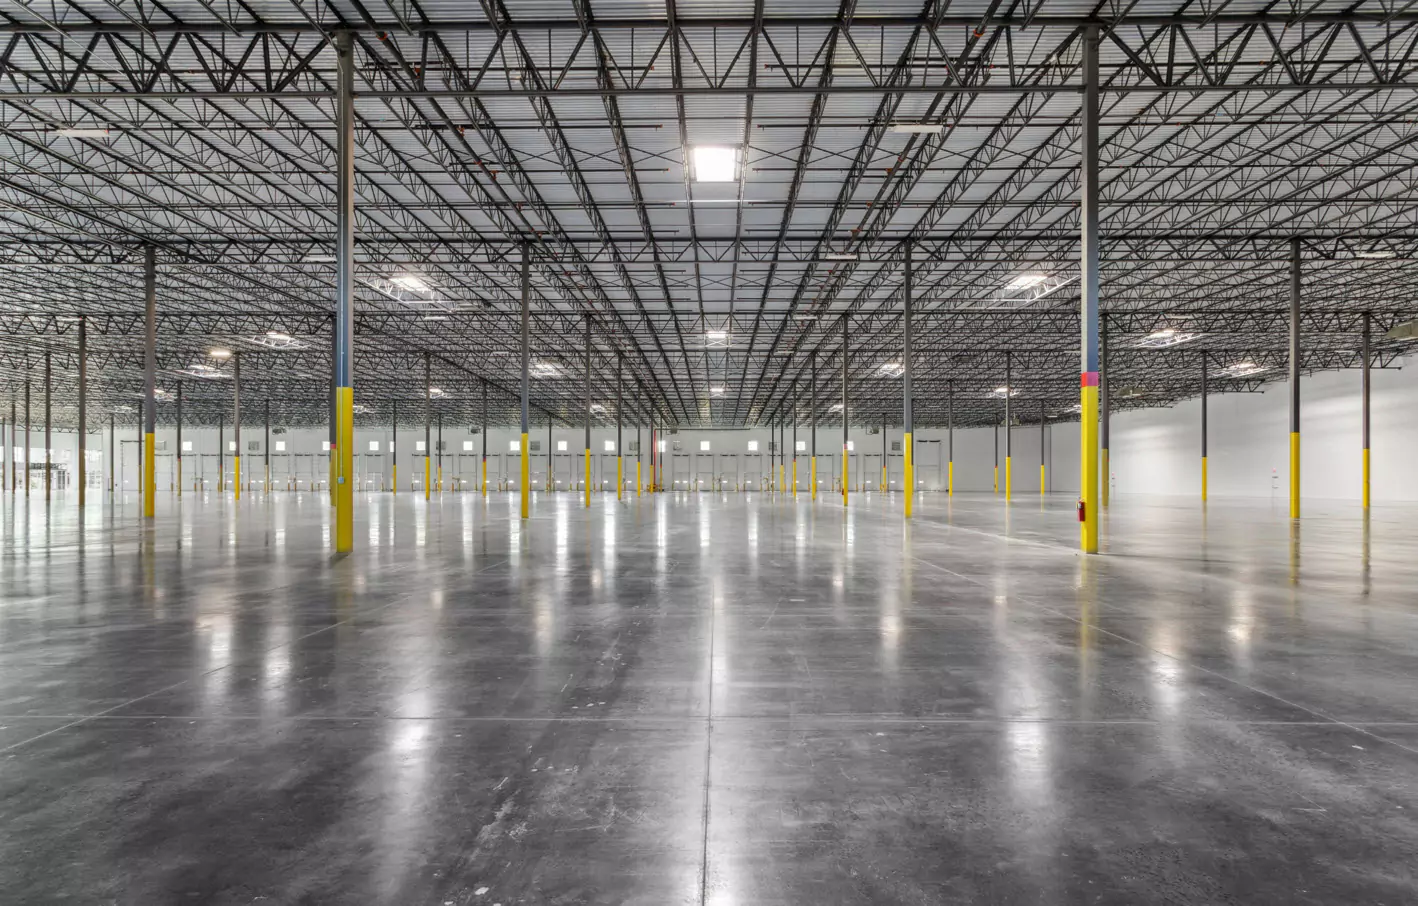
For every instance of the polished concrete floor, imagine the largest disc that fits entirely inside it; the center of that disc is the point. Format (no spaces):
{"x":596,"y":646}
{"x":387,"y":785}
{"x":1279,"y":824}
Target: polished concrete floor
{"x":708,"y":699}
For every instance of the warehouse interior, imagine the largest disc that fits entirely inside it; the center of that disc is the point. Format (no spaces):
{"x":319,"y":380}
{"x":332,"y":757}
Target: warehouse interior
{"x":584,"y":451}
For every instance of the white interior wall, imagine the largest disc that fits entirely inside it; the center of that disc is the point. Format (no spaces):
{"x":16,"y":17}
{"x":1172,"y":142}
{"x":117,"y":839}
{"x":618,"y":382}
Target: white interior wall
{"x":1157,"y":451}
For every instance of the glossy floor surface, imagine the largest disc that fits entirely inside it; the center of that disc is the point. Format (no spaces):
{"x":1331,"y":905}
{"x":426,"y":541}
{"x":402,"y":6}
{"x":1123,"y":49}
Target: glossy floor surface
{"x":708,"y":700}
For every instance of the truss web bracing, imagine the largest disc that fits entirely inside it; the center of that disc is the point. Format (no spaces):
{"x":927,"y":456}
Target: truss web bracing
{"x":207,"y":129}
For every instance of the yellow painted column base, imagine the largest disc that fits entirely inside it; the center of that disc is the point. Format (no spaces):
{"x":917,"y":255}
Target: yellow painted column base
{"x":588,"y":476}
{"x":149,"y":476}
{"x":619,"y":478}
{"x":996,"y":479}
{"x":396,"y":478}
{"x":484,"y":476}
{"x":1008,"y":478}
{"x":1088,"y":527}
{"x":427,"y":479}
{"x":236,"y":474}
{"x":908,"y":469}
{"x":1295,"y":475}
{"x":343,"y":479}
{"x":950,"y":479}
{"x":526,"y":486}
{"x":637,"y":478}
{"x":1043,"y":483}
{"x":1203,"y":479}
{"x":813,"y":478}
{"x":846,"y":475}
{"x":179,"y":478}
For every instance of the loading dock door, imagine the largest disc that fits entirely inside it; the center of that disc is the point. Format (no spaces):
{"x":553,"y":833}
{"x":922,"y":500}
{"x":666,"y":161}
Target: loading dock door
{"x":928,"y":467}
{"x":681,"y":472}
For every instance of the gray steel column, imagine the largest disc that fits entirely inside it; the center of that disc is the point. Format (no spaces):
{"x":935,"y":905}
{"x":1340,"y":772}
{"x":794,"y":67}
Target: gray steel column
{"x":112,"y":451}
{"x":1105,"y":408}
{"x":845,"y":401}
{"x":27,"y":431}
{"x":14,"y":476}
{"x":265,"y":446}
{"x":150,"y":380}
{"x":619,"y":453}
{"x":83,"y":465}
{"x":950,"y":437}
{"x":394,"y":447}
{"x":343,"y":452}
{"x":427,"y":426}
{"x":1204,"y":476}
{"x":1364,"y":393}
{"x":526,"y":375}
{"x":1008,"y":429}
{"x":438,"y":449}
{"x":1295,"y":378}
{"x":908,"y":451}
{"x":1088,"y":265}
{"x":48,"y":440}
{"x":142,"y":483}
{"x":221,"y":453}
{"x":236,"y":421}
{"x":484,"y":437}
{"x":588,"y":411}
{"x":179,"y":439}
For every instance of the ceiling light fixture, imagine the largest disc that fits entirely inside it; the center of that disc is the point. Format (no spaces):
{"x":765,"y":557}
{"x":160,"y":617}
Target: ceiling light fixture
{"x":435,"y":392}
{"x":1026,"y":281}
{"x":1165,"y":337}
{"x":410,"y":282}
{"x":79,"y":132}
{"x":220,"y":353}
{"x":440,"y":318}
{"x":893,"y":369}
{"x":1243,"y":369}
{"x":716,"y":391}
{"x":715,"y":163}
{"x":598,"y":409}
{"x":918,"y":128}
{"x":1376,"y":254}
{"x":841,"y":256}
{"x":836,"y":407}
{"x":543,"y":369}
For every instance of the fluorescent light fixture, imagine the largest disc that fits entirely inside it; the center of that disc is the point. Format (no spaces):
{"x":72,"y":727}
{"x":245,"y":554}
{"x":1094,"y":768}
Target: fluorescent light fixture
{"x":716,"y":390}
{"x":278,"y":336}
{"x":439,"y":318}
{"x":220,"y":353}
{"x":1243,"y":369}
{"x":435,"y":392}
{"x":358,"y":410}
{"x":836,"y":407}
{"x":1165,"y":337}
{"x":715,"y":164}
{"x":78,"y":132}
{"x":1005,"y":391}
{"x":1026,"y":281}
{"x":203,"y":370}
{"x":716,"y":338}
{"x":841,"y":256}
{"x":544,"y":369}
{"x":918,"y":128}
{"x":893,"y":369}
{"x":598,"y":408}
{"x":410,"y":282}
{"x":1376,"y":254}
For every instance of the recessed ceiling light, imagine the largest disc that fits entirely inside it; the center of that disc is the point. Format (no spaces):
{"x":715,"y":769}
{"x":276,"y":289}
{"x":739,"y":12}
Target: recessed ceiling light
{"x":918,"y":128}
{"x":220,"y":353}
{"x":715,"y":163}
{"x":716,"y":390}
{"x":1025,"y":281}
{"x":410,"y":282}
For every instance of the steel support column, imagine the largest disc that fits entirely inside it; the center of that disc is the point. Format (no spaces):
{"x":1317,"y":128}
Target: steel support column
{"x":619,"y":454}
{"x":438,"y":451}
{"x":1043,"y":450}
{"x":484,"y":440}
{"x":265,"y":448}
{"x":794,"y":396}
{"x":908,"y":467}
{"x":394,"y":448}
{"x":526,"y":485}
{"x":178,"y":454}
{"x":48,"y":435}
{"x":1105,"y":409}
{"x":344,"y":292}
{"x":588,"y":411}
{"x":845,"y":401}
{"x":1088,"y":265}
{"x":150,"y":379}
{"x":1204,"y":389}
{"x":27,"y":434}
{"x":812,"y":423}
{"x":427,"y":426}
{"x":950,"y":438}
{"x":236,"y":423}
{"x":1365,"y":378}
{"x":1295,"y":378}
{"x":83,"y":466}
{"x":1008,"y":429}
